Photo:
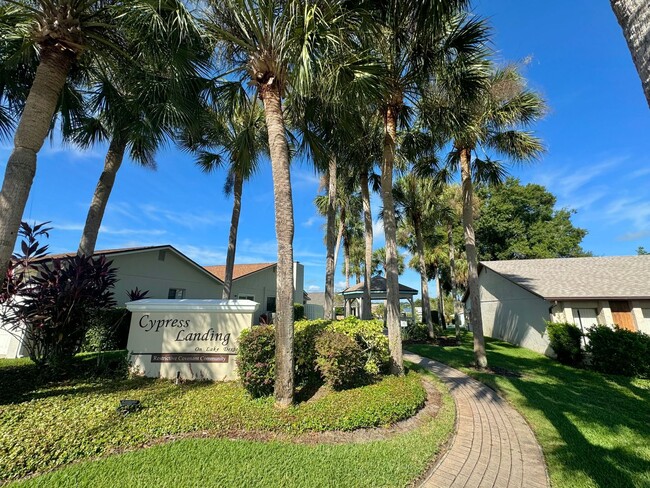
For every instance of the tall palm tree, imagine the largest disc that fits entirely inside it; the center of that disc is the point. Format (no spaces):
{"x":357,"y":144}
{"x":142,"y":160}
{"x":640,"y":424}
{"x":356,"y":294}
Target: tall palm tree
{"x":280,"y":47}
{"x":65,"y":34}
{"x":237,"y":134}
{"x":494,"y":120}
{"x":414,"y":197}
{"x":416,"y":37}
{"x":634,"y":18}
{"x":137,"y":108}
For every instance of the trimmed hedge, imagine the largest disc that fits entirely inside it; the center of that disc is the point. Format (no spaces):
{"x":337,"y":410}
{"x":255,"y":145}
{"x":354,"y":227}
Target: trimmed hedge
{"x":108,"y":331}
{"x":298,"y":311}
{"x":619,"y":351}
{"x":256,"y":360}
{"x":565,"y":341}
{"x":339,"y":359}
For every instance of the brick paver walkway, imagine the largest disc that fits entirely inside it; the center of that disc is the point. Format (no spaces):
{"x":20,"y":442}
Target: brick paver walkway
{"x":493,"y":445}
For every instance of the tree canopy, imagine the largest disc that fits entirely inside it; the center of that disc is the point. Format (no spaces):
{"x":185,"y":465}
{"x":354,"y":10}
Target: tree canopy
{"x":521,"y":222}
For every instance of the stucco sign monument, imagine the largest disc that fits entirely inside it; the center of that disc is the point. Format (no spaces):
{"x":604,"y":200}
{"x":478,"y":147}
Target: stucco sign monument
{"x":188,"y":339}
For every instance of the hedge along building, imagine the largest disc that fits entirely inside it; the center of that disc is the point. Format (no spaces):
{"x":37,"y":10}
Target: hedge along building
{"x":163,"y":271}
{"x":258,"y":282}
{"x":519,"y":296}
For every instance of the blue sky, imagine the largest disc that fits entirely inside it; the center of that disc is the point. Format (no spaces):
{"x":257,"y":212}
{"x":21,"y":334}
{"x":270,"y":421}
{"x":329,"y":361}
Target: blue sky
{"x":596,"y":133}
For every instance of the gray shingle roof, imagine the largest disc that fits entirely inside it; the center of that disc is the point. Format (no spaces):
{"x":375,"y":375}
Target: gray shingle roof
{"x":378,"y":284}
{"x":579,"y":278}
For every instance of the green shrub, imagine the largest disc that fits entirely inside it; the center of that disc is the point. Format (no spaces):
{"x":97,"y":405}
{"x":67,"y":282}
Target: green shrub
{"x":109,"y":330}
{"x":339,"y":359}
{"x":565,"y":341}
{"x":304,"y":347}
{"x":298,"y":311}
{"x":619,"y":351}
{"x":417,"y":333}
{"x":369,"y":334}
{"x":256,"y":360}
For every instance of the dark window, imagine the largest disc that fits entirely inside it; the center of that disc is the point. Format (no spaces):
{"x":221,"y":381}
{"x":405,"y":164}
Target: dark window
{"x":270,"y":304}
{"x":176,"y":293}
{"x":161,"y":255}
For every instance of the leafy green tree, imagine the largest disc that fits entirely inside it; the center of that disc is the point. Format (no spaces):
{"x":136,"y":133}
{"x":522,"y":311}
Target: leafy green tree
{"x":66,"y":35}
{"x":281,"y":48}
{"x":415,"y":39}
{"x":494,"y":119}
{"x":640,"y":251}
{"x":520,"y":222}
{"x":379,"y":262}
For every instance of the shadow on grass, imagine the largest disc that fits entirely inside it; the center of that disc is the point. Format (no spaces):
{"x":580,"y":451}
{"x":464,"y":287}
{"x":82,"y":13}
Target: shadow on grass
{"x":598,"y":418}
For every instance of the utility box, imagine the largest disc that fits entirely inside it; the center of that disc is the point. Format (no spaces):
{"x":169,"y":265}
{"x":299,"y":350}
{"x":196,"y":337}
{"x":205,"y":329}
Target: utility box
{"x":187,"y":339}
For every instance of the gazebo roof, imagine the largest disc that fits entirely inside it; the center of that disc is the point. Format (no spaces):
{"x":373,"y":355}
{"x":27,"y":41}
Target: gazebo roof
{"x":377,"y":289}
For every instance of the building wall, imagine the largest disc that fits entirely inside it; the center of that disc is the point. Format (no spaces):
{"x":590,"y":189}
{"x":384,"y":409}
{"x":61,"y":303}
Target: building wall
{"x":640,"y":311}
{"x":513,"y":314}
{"x":262,"y":285}
{"x":147,"y":272}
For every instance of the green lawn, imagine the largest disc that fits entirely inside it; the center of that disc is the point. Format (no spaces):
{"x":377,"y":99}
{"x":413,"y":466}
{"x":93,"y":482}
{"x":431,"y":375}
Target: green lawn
{"x":594,"y":429}
{"x":53,"y":424}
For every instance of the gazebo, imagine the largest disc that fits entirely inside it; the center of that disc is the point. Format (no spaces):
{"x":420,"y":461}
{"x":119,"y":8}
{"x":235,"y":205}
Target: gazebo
{"x":353,"y":296}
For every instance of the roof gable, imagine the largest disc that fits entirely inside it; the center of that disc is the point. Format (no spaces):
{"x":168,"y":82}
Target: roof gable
{"x":611,"y":277}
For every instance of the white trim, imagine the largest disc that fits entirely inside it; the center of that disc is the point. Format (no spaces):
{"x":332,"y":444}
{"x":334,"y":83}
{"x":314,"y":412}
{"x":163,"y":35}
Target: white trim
{"x":175,"y":305}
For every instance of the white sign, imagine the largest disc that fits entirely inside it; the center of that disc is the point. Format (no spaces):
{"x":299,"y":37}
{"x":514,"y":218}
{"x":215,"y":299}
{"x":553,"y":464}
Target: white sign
{"x":190,"y":339}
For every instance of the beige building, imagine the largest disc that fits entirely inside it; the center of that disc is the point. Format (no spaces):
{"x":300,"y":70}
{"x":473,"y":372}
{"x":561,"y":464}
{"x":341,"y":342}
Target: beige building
{"x":519,"y":296}
{"x":257,"y":282}
{"x":163,"y":271}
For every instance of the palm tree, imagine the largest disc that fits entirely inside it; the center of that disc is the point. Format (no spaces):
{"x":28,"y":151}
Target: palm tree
{"x":280,"y":47}
{"x":379,"y":262}
{"x":137,"y":108}
{"x":415,"y":39}
{"x":634,"y":18}
{"x":234,"y":131}
{"x":414,"y":197}
{"x":66,"y":34}
{"x":494,"y":120}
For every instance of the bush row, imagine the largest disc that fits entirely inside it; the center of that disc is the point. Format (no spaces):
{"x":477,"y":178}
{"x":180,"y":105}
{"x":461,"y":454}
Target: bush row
{"x":343,"y":353}
{"x":608,"y":350}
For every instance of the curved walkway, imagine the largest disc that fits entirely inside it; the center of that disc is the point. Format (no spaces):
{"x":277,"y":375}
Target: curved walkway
{"x":493,"y":445}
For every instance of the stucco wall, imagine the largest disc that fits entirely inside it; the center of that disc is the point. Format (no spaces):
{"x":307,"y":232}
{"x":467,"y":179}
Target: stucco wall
{"x":262,"y":284}
{"x":147,"y":272}
{"x":512,"y":314}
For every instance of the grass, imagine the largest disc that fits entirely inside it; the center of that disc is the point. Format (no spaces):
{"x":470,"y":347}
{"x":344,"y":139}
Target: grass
{"x":53,"y":424}
{"x":594,"y":429}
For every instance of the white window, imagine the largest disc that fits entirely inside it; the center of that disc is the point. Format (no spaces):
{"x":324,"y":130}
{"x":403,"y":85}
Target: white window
{"x":246,"y":297}
{"x":176,"y":293}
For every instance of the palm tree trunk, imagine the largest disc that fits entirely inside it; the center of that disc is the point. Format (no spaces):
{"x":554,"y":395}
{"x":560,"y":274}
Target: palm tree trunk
{"x":634,"y":18}
{"x":472,"y":259}
{"x":30,"y":134}
{"x":441,"y":301}
{"x":390,"y":231}
{"x":366,"y":304}
{"x":284,"y":228}
{"x":112,"y":163}
{"x":452,"y":267}
{"x":424,"y":282}
{"x":339,"y":236}
{"x":346,"y":270}
{"x":232,"y":237}
{"x":330,"y":264}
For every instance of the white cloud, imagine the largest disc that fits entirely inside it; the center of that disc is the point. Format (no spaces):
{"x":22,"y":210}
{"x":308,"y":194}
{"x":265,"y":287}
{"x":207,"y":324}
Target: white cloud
{"x":313,"y":288}
{"x":378,"y":229}
{"x":310,"y":221}
{"x":190,"y":219}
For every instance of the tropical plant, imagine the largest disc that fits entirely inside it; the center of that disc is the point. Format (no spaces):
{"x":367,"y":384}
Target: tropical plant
{"x":281,"y":48}
{"x":51,"y":301}
{"x":379,"y":262}
{"x":233,"y":131}
{"x":494,"y":119}
{"x":66,"y":35}
{"x":414,"y":197}
{"x":416,"y":38}
{"x":137,"y":107}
